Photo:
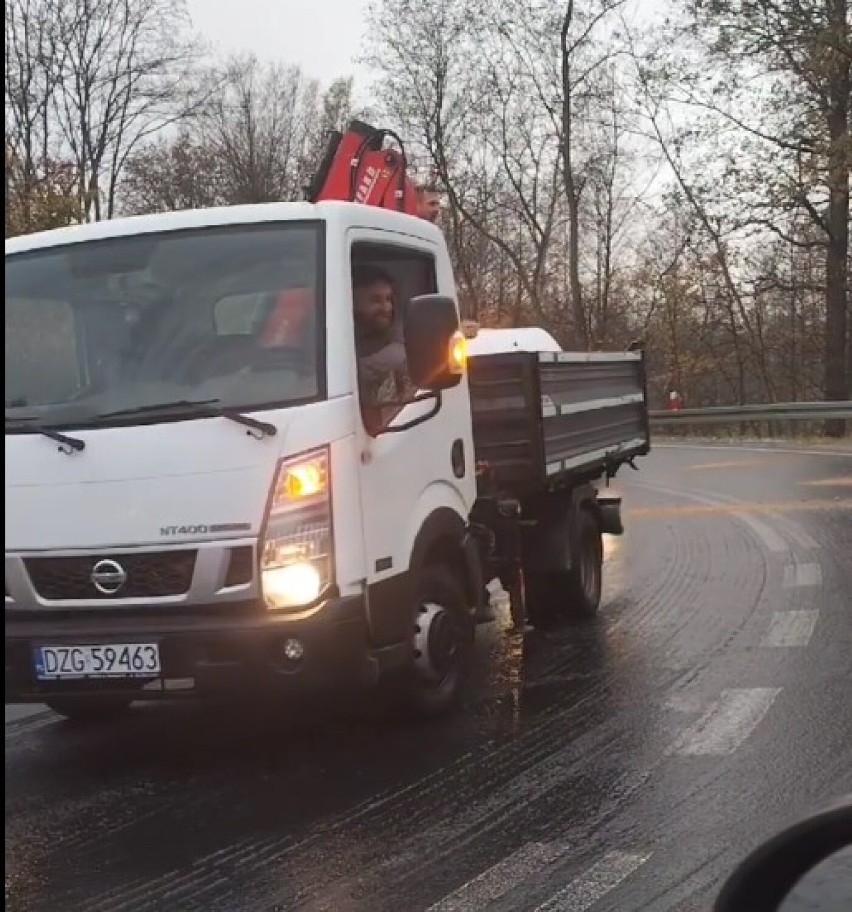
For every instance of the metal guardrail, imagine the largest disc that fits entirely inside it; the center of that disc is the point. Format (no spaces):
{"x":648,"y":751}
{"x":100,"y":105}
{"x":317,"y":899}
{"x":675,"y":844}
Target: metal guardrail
{"x":738,"y":414}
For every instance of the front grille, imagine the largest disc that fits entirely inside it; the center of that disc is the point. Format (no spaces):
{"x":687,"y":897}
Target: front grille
{"x":150,"y":574}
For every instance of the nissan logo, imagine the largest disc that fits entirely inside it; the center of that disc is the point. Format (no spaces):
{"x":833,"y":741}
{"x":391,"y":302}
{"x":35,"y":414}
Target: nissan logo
{"x":108,"y":576}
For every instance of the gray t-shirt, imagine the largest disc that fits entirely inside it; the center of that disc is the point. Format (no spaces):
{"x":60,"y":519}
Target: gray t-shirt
{"x":383,"y":375}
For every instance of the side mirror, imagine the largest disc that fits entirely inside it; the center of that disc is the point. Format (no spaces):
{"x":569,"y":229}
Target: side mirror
{"x":434,"y":346}
{"x":771,"y":871}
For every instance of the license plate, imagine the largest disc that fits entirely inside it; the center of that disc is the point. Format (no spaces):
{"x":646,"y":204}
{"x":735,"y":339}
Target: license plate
{"x":115,"y":660}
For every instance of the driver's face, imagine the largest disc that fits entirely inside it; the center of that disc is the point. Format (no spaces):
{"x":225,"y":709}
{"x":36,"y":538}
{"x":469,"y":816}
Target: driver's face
{"x":374,"y":306}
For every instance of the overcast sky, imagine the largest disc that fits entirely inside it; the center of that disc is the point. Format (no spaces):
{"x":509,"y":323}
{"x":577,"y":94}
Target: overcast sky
{"x":322,"y":37}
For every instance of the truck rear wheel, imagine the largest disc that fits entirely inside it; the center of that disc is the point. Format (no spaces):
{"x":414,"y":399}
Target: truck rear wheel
{"x":442,"y":636}
{"x":571,"y":593}
{"x":89,"y":708}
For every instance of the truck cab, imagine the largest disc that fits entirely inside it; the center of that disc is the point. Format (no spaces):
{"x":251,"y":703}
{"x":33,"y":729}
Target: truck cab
{"x":194,"y":497}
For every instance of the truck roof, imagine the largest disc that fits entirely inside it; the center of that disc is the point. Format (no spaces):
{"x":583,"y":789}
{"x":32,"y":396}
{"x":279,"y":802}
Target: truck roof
{"x":348,"y":213}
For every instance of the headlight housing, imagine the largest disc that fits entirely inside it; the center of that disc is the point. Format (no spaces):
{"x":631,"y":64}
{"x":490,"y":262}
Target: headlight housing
{"x":297,"y":548}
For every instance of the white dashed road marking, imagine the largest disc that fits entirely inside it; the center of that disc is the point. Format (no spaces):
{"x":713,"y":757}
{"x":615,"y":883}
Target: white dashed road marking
{"x":584,"y":891}
{"x":770,"y":538}
{"x":727,"y":723}
{"x":803,"y":539}
{"x":15,"y":712}
{"x":796,"y":575}
{"x":502,"y":877}
{"x":791,"y":628}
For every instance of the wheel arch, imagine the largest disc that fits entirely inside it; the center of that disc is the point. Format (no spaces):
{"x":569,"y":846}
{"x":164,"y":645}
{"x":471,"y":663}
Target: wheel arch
{"x":442,"y":538}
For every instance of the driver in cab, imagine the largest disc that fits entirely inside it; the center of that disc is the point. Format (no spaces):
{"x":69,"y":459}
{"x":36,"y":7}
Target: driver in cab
{"x":383,"y":379}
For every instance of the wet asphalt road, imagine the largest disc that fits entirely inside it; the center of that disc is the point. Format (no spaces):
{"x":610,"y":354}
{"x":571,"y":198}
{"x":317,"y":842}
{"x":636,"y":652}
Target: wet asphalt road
{"x":622,"y":764}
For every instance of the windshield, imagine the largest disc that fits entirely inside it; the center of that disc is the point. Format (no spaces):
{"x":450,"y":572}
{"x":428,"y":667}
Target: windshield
{"x":97,"y":332}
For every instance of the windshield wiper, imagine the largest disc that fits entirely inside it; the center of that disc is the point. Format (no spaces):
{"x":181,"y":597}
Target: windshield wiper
{"x":67,"y":445}
{"x":202,"y":408}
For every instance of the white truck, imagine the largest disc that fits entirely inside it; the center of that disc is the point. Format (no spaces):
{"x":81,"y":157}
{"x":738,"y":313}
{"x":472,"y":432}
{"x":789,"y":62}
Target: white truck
{"x":195,"y":505}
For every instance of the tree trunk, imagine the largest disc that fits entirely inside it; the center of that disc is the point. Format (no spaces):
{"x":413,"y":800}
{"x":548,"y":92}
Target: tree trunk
{"x":837,"y":252}
{"x":581,"y":329}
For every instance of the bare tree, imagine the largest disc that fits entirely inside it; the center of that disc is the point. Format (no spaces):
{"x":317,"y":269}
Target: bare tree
{"x":483,"y":88}
{"x":256,"y":140}
{"x":336,"y":105}
{"x":450,"y":87}
{"x":170,"y":174}
{"x":34,"y":61}
{"x":574,"y":34}
{"x":566,"y":57}
{"x":127,"y":72}
{"x":794,"y":132}
{"x":260,"y":126}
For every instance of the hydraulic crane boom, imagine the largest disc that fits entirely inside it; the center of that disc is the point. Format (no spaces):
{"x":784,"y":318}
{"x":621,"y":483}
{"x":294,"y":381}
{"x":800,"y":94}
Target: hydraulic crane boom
{"x":356,"y":167}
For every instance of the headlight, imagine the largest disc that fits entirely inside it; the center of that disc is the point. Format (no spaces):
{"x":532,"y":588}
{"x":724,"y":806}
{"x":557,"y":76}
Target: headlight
{"x":296,"y":558}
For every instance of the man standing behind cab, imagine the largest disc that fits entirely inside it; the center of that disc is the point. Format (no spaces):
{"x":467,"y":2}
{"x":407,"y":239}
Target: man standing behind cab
{"x":429,"y":202}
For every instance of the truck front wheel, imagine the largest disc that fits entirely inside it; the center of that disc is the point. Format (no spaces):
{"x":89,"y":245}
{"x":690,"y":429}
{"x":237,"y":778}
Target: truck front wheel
{"x":574,"y":592}
{"x":442,"y":636}
{"x":89,"y":708}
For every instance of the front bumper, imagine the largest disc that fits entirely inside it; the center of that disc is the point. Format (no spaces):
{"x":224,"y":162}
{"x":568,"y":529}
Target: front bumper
{"x":205,"y":652}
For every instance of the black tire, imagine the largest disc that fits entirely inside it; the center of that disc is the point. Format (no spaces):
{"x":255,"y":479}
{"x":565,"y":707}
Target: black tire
{"x":89,"y":708}
{"x":442,"y":637}
{"x":573,"y":593}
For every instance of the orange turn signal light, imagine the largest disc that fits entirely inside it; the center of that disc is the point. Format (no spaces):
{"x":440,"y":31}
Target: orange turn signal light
{"x":458,"y":353}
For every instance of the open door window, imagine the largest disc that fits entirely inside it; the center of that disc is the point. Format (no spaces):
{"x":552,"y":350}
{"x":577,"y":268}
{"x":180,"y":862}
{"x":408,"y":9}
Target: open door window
{"x":385,"y":279}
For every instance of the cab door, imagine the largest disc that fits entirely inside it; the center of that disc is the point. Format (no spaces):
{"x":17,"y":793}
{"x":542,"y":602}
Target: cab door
{"x":407,"y":474}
